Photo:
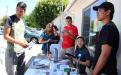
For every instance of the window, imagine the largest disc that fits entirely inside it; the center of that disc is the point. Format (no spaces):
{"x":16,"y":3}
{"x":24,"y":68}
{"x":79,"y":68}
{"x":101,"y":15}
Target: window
{"x":86,"y":25}
{"x":91,"y":26}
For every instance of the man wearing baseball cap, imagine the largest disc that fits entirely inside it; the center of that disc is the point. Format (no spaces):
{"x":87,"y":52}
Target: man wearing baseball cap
{"x":108,"y":42}
{"x":14,"y":34}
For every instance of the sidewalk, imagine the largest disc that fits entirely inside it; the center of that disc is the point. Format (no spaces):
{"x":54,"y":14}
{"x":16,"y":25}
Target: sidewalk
{"x":2,"y":55}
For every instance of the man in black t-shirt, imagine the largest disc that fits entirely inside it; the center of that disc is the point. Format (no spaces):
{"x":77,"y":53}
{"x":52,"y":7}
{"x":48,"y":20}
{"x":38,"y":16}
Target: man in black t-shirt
{"x":108,"y":42}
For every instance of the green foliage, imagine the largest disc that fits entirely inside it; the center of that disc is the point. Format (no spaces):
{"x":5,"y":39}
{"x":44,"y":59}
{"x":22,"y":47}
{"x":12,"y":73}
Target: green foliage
{"x":3,"y":20}
{"x":0,"y":22}
{"x":44,"y":12}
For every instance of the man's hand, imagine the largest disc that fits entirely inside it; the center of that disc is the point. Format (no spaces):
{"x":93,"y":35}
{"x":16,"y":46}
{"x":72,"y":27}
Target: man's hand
{"x":65,"y":32}
{"x":22,"y":44}
{"x":69,"y":33}
{"x":103,"y":58}
{"x":94,"y":73}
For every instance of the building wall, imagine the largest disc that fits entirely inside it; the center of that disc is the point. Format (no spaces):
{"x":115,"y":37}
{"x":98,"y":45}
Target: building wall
{"x":57,"y":21}
{"x":117,"y":14}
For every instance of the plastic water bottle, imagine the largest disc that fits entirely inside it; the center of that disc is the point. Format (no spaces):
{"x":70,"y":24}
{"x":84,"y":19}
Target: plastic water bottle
{"x":79,"y":57}
{"x":56,"y":55}
{"x":31,"y":44}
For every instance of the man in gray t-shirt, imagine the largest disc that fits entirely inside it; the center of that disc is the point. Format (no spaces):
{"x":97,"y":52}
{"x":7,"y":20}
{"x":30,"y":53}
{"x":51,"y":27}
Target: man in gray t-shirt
{"x":14,"y":34}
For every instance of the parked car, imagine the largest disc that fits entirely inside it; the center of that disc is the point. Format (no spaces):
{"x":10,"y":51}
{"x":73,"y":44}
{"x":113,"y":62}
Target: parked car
{"x":31,"y":35}
{"x":1,"y":30}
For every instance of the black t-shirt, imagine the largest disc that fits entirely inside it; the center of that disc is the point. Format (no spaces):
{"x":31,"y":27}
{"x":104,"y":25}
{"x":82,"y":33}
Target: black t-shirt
{"x":57,"y":38}
{"x":84,"y":56}
{"x":11,"y":19}
{"x":108,"y":35}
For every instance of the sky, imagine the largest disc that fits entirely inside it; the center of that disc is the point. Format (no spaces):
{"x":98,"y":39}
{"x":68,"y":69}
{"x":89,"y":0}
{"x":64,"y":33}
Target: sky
{"x":9,"y":6}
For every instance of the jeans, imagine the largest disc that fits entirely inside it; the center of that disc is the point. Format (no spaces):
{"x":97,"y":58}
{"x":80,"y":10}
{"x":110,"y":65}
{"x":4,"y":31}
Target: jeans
{"x":14,"y":64}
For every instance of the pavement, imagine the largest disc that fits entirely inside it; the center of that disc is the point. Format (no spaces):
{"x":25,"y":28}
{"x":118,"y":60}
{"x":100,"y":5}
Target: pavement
{"x":3,"y":45}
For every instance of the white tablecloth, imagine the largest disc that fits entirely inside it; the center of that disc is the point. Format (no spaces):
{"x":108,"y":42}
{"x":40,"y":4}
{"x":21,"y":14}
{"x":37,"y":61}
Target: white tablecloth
{"x":54,"y":68}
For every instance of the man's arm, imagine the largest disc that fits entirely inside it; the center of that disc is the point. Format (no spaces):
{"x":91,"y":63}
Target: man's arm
{"x":10,"y":39}
{"x":73,"y":34}
{"x":106,"y":51}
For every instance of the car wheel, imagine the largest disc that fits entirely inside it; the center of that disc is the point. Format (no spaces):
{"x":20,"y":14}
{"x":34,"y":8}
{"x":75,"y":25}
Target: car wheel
{"x":34,"y":39}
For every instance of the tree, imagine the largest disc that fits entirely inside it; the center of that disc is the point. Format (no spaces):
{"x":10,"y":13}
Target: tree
{"x":3,"y":20}
{"x":44,"y":12}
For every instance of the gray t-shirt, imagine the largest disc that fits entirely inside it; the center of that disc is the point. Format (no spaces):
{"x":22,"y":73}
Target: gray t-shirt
{"x":17,"y":32}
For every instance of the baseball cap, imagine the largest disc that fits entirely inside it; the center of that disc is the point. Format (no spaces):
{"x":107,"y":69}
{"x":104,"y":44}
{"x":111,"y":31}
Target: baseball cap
{"x":22,"y":5}
{"x":105,"y":5}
